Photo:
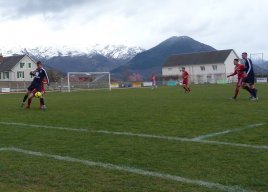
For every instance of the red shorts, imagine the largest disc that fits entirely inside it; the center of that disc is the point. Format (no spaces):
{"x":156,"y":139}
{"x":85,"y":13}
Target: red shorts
{"x":185,"y":82}
{"x":240,"y":82}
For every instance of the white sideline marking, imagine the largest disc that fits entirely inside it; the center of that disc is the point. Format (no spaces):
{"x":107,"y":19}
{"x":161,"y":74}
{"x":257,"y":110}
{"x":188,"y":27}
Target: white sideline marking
{"x":44,"y":126}
{"x":170,"y":138}
{"x":130,"y":170}
{"x":183,"y":139}
{"x":201,"y":137}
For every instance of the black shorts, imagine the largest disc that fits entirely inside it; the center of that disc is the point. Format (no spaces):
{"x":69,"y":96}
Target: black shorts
{"x":250,"y":79}
{"x":34,"y":86}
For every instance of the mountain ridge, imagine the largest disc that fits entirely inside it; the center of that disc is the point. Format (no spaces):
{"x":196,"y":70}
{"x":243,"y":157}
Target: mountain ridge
{"x":120,"y":60}
{"x":47,"y":52}
{"x":150,"y":61}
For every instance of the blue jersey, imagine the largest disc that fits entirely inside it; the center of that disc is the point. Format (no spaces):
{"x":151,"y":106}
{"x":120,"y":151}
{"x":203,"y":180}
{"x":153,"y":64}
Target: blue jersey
{"x":40,"y":75}
{"x":249,"y":67}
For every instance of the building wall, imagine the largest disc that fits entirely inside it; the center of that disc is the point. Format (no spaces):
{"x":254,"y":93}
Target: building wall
{"x":230,"y":66}
{"x":229,"y":63}
{"x":210,"y":73}
{"x":21,"y":72}
{"x":170,"y":71}
{"x":204,"y":73}
{"x":4,"y":76}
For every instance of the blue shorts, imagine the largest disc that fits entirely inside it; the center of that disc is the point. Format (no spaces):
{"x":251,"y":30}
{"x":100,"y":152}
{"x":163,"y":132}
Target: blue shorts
{"x":35,"y":86}
{"x":250,"y":79}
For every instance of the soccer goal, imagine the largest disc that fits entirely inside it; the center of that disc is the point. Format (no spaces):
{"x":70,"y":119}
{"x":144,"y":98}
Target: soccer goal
{"x":88,"y":80}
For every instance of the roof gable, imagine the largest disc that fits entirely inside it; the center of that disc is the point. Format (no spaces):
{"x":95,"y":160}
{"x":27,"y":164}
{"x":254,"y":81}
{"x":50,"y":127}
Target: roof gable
{"x":10,"y":62}
{"x":198,"y":58}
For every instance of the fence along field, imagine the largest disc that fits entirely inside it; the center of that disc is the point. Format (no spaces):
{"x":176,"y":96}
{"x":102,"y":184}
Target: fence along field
{"x":136,"y":140}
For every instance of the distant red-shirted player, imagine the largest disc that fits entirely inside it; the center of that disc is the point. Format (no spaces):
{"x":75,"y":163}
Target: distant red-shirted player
{"x":185,"y":80}
{"x":240,"y":72}
{"x":153,"y":79}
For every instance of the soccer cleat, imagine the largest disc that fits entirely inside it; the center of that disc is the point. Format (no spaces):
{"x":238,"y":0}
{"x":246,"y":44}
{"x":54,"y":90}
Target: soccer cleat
{"x":43,"y":108}
{"x":22,"y":105}
{"x":256,"y":90}
{"x":254,"y":99}
{"x":232,"y":98}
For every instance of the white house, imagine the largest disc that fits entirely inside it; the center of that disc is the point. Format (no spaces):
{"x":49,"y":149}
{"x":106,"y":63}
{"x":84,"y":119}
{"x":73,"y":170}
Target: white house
{"x":203,"y":67}
{"x":16,"y":68}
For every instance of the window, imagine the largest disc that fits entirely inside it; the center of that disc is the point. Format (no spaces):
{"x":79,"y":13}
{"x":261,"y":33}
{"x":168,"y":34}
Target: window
{"x":214,"y":67}
{"x":29,"y":65}
{"x":6,"y":75}
{"x":21,"y":65}
{"x":20,"y":74}
{"x":202,"y":68}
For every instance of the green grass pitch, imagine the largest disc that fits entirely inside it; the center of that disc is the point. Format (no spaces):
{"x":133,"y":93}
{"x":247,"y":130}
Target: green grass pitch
{"x":145,"y":130}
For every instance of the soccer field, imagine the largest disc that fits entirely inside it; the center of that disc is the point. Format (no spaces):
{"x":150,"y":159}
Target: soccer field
{"x":136,"y":140}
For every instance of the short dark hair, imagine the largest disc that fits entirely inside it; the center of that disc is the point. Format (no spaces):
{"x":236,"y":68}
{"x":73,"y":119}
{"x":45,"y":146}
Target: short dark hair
{"x":245,"y":53}
{"x":39,"y":62}
{"x":236,"y":59}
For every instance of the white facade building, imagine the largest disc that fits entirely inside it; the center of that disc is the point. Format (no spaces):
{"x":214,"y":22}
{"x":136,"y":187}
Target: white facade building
{"x":203,"y":67}
{"x":16,"y":68}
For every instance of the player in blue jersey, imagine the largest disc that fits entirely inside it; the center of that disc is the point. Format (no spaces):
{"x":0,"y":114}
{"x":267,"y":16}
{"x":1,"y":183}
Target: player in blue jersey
{"x":32,"y":95}
{"x":39,"y":75}
{"x":250,"y":79}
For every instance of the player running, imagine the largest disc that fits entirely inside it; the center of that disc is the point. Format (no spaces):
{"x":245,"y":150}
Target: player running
{"x":250,"y":79}
{"x":240,"y":72}
{"x":153,"y":79}
{"x":39,"y":75}
{"x":185,"y":80}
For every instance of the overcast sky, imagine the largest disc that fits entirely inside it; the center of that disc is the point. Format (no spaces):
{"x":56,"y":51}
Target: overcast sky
{"x":224,"y":24}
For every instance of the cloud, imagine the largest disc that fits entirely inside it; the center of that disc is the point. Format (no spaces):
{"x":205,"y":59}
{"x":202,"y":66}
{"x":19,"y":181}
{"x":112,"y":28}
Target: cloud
{"x":17,"y":9}
{"x":225,"y":24}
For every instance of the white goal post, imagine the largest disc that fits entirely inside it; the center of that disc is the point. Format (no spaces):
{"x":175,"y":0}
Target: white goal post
{"x":88,"y":80}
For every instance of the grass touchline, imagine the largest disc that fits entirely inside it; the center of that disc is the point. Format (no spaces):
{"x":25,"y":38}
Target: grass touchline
{"x":170,"y":138}
{"x":129,"y":169}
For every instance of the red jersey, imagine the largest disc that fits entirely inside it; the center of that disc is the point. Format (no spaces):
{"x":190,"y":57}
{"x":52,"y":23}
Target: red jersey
{"x":185,"y":78}
{"x":153,"y":78}
{"x":239,"y":71}
{"x":185,"y":75}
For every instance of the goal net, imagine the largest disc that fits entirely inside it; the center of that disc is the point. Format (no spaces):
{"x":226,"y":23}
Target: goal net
{"x":88,"y":80}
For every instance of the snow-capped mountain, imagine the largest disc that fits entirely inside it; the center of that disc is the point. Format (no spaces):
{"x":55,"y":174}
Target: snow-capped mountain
{"x":47,"y":52}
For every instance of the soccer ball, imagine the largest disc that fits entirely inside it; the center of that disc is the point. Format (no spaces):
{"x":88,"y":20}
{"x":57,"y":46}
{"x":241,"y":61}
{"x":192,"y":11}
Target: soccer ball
{"x":38,"y":94}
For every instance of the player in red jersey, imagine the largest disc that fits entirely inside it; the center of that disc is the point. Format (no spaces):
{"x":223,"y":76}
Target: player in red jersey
{"x":185,"y":80}
{"x":153,"y":79}
{"x":240,"y":72}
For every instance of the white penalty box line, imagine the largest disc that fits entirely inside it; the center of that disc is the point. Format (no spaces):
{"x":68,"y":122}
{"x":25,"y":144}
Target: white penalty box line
{"x":130,"y":134}
{"x":128,"y":169}
{"x":202,"y":137}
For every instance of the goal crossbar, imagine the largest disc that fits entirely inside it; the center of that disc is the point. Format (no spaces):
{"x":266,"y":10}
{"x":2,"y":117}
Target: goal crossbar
{"x":69,"y":74}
